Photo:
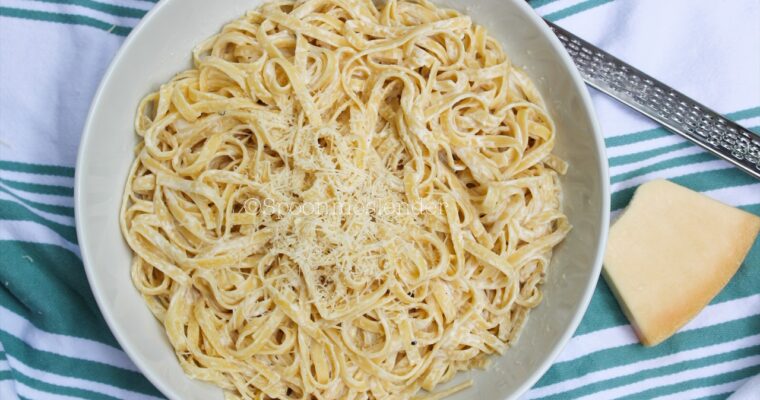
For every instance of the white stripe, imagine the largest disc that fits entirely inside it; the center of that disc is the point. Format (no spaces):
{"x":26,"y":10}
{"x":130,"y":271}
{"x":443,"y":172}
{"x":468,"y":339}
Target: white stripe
{"x":7,"y":386}
{"x":60,"y":219}
{"x":76,"y":383}
{"x":698,"y":393}
{"x":614,"y":151}
{"x":59,"y":8}
{"x":35,"y":394}
{"x":649,"y":145}
{"x":67,"y":346}
{"x":614,"y":215}
{"x":593,"y":342}
{"x":51,"y":199}
{"x":4,"y":366}
{"x":678,"y":377}
{"x":28,"y":231}
{"x":750,"y":122}
{"x":3,"y":363}
{"x":737,"y":196}
{"x":8,"y":390}
{"x":748,"y":389}
{"x":621,"y":169}
{"x":645,"y":145}
{"x":669,"y":173}
{"x":37,"y":178}
{"x":628,"y":369}
{"x":622,"y":335}
{"x":726,"y":311}
{"x":557,"y":6}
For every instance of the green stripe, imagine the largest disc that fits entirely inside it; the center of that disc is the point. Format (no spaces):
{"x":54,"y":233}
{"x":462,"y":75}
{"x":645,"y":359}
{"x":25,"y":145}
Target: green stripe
{"x":699,"y":181}
{"x":57,"y":389}
{"x":38,"y":169}
{"x":76,"y":368}
{"x":5,"y":375}
{"x":16,"y":212}
{"x":575,"y":9}
{"x":751,"y":208}
{"x":696,"y":383}
{"x":665,"y":164}
{"x":46,"y":285}
{"x":643,"y":155}
{"x":635,"y":137}
{"x":656,"y":372}
{"x":52,"y":190}
{"x":721,"y":396}
{"x":661,"y":132}
{"x":648,"y":154}
{"x":70,"y":19}
{"x":49,"y":208}
{"x":632,"y":353}
{"x":540,"y":3}
{"x":119,"y":11}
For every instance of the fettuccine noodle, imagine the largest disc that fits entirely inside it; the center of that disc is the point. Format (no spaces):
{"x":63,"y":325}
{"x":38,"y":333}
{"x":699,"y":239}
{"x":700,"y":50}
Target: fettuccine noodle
{"x":341,"y":201}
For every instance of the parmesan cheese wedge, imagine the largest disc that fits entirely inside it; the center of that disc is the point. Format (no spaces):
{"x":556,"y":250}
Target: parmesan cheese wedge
{"x":670,"y":253}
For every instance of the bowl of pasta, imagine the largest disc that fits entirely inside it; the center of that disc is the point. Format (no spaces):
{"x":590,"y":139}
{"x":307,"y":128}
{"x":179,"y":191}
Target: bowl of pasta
{"x":342,"y":199}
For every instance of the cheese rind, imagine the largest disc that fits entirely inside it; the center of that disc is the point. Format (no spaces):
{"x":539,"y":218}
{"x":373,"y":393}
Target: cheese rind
{"x":670,"y":253}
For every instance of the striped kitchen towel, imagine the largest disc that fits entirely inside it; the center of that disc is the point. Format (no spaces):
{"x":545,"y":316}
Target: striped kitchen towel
{"x":55,"y":345}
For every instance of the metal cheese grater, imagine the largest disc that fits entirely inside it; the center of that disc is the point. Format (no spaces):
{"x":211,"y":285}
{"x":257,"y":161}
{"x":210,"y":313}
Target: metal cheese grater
{"x":675,"y":111}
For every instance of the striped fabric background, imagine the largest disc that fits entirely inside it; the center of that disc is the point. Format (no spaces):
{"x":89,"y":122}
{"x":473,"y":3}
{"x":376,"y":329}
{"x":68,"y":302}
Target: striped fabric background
{"x":54,"y":343}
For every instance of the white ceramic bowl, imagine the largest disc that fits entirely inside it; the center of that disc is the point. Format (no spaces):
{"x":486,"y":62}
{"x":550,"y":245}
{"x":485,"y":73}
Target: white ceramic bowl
{"x":160,"y":47}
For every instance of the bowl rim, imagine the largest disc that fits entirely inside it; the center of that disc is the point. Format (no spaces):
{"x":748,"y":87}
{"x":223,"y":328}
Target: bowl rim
{"x":569,"y":330}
